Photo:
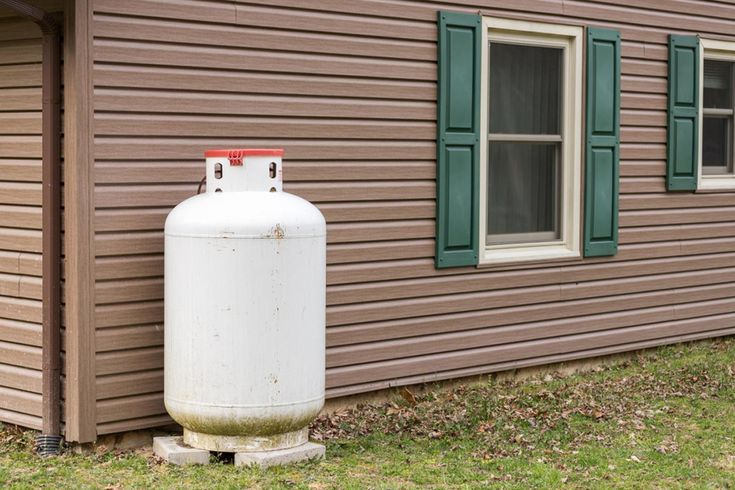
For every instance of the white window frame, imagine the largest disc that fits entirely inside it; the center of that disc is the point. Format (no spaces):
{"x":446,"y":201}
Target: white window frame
{"x":571,"y":39}
{"x":722,"y":51}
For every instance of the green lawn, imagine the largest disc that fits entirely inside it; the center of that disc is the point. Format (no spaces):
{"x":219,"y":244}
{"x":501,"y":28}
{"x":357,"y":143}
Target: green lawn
{"x":663,"y":420}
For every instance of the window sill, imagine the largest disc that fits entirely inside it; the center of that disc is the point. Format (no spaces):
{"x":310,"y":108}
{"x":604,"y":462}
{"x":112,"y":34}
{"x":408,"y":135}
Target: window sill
{"x":510,"y":256}
{"x":716,"y":184}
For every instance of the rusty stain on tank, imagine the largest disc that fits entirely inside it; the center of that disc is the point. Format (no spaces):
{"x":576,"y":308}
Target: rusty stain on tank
{"x":278,"y":233}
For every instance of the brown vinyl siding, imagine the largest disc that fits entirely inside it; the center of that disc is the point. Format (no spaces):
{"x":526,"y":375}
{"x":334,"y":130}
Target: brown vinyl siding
{"x":348,"y":88}
{"x":20,"y":221}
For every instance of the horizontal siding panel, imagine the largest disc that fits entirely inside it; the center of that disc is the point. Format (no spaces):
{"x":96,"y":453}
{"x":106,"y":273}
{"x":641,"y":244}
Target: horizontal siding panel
{"x":21,"y":99}
{"x":645,"y":84}
{"x":120,"y":385}
{"x":28,"y":264}
{"x":20,"y":240}
{"x":20,"y":146}
{"x":129,"y":407}
{"x":134,"y":219}
{"x":20,"y":217}
{"x":22,"y":193}
{"x":128,"y":243}
{"x":377,"y":251}
{"x":642,"y":168}
{"x":144,"y":149}
{"x":447,"y":342}
{"x":642,"y":117}
{"x":633,"y":101}
{"x":128,"y":267}
{"x":14,"y":28}
{"x":19,"y":122}
{"x":130,"y":219}
{"x":644,"y":17}
{"x":425,"y":11}
{"x":633,"y":134}
{"x":719,"y":10}
{"x":259,"y":127}
{"x":116,"y":315}
{"x":524,"y":363}
{"x":404,"y":308}
{"x":336,"y":23}
{"x":488,"y":281}
{"x":379,"y":231}
{"x":642,"y":151}
{"x":638,"y":185}
{"x":203,"y":11}
{"x":404,"y":269}
{"x":119,"y":51}
{"x":167,"y":195}
{"x":20,"y":378}
{"x":20,"y":355}
{"x":111,"y":339}
{"x":126,"y":361}
{"x":251,"y":37}
{"x":20,"y":401}
{"x":20,"y":286}
{"x":655,"y":217}
{"x":126,"y":100}
{"x":22,"y":309}
{"x":460,"y":359}
{"x":676,"y":232}
{"x":20,"y":51}
{"x":675,"y":200}
{"x":128,"y":290}
{"x":516,"y":315}
{"x":216,"y":81}
{"x":134,"y":424}
{"x":20,"y":170}
{"x":20,"y":76}
{"x":163,"y":172}
{"x":18,"y":332}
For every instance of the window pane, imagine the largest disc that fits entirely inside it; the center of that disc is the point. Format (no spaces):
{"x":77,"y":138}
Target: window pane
{"x":715,"y":136}
{"x":717,"y":84}
{"x":523,"y":192}
{"x":525,"y":89}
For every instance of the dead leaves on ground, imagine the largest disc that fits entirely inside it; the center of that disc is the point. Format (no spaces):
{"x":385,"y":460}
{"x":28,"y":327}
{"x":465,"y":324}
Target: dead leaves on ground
{"x":512,"y":417}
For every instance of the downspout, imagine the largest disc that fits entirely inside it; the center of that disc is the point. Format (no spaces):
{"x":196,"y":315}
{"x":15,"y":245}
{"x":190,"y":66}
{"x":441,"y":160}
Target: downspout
{"x":49,"y":441}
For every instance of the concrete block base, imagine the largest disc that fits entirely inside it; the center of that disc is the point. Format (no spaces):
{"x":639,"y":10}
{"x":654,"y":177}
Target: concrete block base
{"x":173,"y":451}
{"x":264,"y":459}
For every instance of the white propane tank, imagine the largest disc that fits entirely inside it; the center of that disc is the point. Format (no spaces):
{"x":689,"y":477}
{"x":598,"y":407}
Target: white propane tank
{"x":245,"y":278}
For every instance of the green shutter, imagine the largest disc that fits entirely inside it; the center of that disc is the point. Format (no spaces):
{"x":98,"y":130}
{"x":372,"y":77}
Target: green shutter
{"x":458,"y":139}
{"x":602,"y":162}
{"x":683,"y":122}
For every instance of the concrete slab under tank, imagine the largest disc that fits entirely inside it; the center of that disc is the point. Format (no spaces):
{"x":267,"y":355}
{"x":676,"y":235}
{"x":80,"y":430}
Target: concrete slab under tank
{"x":173,"y":450}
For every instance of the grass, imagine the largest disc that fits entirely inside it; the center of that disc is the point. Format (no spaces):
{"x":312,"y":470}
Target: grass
{"x":665,"y":419}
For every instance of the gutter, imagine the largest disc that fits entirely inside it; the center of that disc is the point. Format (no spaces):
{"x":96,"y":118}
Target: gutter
{"x":49,"y":441}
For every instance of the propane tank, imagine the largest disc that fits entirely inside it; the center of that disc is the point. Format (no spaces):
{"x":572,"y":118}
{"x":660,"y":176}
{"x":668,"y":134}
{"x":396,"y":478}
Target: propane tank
{"x":245,"y":274}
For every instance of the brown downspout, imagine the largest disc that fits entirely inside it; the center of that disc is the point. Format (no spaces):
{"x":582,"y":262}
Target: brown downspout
{"x":49,"y":441}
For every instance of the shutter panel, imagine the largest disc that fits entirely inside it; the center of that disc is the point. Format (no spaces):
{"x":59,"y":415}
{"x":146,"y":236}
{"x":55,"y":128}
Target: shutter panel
{"x":683,"y":121}
{"x":458,"y":139}
{"x":602,"y":161}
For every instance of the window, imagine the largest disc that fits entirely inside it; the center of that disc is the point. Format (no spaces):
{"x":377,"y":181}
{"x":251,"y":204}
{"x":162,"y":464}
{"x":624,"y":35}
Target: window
{"x":717,"y":128}
{"x":509,"y":141}
{"x":530,"y":156}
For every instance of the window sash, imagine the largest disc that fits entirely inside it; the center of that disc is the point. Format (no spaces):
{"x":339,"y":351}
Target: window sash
{"x":726,"y":170}
{"x":571,"y":40}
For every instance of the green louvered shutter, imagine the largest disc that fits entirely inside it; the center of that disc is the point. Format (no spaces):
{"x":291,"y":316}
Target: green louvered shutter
{"x":602,"y":161}
{"x":683,"y":121}
{"x":458,"y":139}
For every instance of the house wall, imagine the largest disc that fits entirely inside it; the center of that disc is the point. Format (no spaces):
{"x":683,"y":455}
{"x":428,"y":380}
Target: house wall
{"x":348,"y":88}
{"x":20,"y":221}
